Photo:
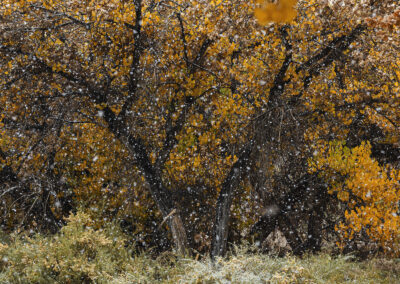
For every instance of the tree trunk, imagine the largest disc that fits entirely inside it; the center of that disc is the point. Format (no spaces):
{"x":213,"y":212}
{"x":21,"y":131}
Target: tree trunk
{"x":178,"y":233}
{"x":165,"y":202}
{"x":224,"y":202}
{"x":220,"y":231}
{"x":161,"y":196}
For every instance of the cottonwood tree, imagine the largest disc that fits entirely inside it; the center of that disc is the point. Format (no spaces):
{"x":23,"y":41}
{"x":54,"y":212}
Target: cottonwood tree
{"x":190,"y":101}
{"x":343,"y":100}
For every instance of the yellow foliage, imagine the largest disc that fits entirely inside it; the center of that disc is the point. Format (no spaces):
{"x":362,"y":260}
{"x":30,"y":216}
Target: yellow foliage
{"x":77,"y":56}
{"x":371,"y":192}
{"x":281,"y":12}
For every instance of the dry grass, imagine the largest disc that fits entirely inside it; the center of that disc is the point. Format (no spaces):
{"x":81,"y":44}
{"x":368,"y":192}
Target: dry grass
{"x":79,"y":254}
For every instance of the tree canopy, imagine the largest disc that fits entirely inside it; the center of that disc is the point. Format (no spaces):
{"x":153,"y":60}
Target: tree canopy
{"x":192,"y":119}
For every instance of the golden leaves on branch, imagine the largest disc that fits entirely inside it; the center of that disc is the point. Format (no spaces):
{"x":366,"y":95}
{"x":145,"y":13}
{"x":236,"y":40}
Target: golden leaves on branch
{"x":281,"y":12}
{"x":371,"y":192}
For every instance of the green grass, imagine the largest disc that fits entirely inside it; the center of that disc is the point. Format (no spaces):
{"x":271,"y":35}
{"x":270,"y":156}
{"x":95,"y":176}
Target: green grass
{"x":80,"y":254}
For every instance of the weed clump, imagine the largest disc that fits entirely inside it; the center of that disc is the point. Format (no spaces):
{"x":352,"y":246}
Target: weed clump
{"x":78,"y":253}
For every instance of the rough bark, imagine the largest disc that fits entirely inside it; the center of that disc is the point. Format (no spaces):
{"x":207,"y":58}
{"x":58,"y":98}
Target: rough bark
{"x":224,"y":202}
{"x":179,"y":233}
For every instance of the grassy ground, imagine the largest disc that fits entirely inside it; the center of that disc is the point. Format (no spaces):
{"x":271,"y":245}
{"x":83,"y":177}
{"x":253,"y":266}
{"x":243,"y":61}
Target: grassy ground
{"x":240,"y":268}
{"x":80,"y":254}
{"x":245,"y":268}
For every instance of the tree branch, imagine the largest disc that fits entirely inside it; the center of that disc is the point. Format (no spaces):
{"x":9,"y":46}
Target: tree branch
{"x":136,"y":56}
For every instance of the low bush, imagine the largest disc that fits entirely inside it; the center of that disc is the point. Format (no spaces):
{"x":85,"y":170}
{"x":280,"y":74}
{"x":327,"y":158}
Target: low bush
{"x":78,"y":253}
{"x":81,"y":254}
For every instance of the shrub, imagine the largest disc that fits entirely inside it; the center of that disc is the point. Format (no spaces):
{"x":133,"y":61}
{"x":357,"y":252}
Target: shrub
{"x":78,"y":253}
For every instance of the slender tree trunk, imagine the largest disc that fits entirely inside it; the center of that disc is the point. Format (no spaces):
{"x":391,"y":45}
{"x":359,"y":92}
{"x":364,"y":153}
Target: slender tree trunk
{"x":220,"y":231}
{"x":224,"y":202}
